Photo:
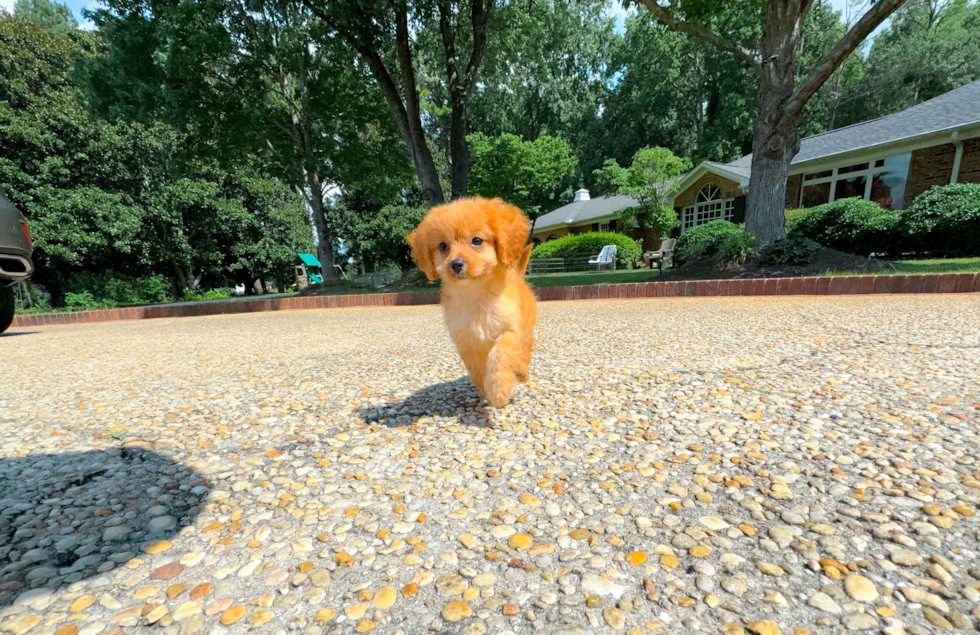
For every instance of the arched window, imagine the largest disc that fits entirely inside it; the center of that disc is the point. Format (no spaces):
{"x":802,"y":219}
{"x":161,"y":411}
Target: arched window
{"x":708,"y":206}
{"x":708,"y":192}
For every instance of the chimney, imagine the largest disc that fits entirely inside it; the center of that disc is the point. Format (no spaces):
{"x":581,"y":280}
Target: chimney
{"x":582,"y":194}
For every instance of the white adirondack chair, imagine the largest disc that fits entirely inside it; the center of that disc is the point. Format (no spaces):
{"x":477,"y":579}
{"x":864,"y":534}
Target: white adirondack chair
{"x":606,"y":257}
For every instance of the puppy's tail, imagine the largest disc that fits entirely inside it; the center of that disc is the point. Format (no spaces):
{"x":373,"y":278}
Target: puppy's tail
{"x":525,"y":257}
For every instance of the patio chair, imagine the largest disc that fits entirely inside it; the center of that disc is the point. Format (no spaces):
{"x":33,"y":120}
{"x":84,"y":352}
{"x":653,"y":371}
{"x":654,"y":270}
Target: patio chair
{"x":664,"y":255}
{"x":606,"y":257}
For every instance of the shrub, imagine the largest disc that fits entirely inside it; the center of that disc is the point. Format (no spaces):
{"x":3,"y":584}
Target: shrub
{"x":85,"y":301}
{"x":795,"y":249}
{"x":793,"y":216}
{"x":113,"y":289}
{"x":703,"y":240}
{"x":944,"y":220}
{"x":852,"y":225}
{"x":213,"y":294}
{"x":735,"y":248}
{"x":590,"y":244}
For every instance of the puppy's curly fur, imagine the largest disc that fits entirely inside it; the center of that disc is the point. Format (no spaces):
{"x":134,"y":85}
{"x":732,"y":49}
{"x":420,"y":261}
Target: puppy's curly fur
{"x":477,"y":247}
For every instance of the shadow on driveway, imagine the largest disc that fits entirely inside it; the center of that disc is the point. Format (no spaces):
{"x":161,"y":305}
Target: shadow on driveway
{"x":67,"y":517}
{"x":458,"y":398}
{"x":16,"y":333}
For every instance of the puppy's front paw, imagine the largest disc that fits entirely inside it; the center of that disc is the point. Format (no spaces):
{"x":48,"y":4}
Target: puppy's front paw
{"x":498,"y":390}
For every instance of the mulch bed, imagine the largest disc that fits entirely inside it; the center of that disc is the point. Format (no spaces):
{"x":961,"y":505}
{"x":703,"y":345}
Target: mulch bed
{"x":823,"y":260}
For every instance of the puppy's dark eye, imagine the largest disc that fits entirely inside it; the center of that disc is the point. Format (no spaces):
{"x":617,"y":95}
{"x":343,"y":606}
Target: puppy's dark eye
{"x":443,"y":247}
{"x":477,"y":241}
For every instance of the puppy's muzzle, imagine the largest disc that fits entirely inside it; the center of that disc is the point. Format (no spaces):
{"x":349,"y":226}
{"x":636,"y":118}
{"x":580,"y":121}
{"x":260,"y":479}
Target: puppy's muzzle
{"x":458,"y":267}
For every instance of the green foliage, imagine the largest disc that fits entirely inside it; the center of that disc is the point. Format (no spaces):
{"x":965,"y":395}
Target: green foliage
{"x":529,"y":174}
{"x":211,"y":294}
{"x":793,"y":216}
{"x":793,"y":250}
{"x":51,"y":16}
{"x":650,"y":178}
{"x":944,"y":220}
{"x":735,"y":248}
{"x":590,"y":244}
{"x":703,"y":240}
{"x":85,"y":301}
{"x":928,"y":48}
{"x":547,"y":71}
{"x":376,"y":238}
{"x":84,"y":290}
{"x":851,"y":225}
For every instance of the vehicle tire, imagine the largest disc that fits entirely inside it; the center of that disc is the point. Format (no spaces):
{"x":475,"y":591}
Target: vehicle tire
{"x":6,"y":307}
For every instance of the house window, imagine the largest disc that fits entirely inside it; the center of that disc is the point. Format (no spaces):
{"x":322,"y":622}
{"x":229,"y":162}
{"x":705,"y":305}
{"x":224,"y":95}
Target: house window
{"x":603,"y":227}
{"x":708,"y":206}
{"x":882,"y":181}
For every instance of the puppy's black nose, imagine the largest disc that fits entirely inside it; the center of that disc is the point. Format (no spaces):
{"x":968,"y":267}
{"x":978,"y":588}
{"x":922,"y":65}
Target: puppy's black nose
{"x":457,"y":265}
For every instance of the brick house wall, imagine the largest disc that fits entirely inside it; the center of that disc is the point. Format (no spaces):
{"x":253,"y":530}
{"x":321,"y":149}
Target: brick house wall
{"x":729,"y":189}
{"x":793,"y":185}
{"x":970,"y":163}
{"x":929,"y":167}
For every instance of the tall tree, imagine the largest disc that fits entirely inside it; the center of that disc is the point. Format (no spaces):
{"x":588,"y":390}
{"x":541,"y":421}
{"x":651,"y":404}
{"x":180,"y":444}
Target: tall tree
{"x":650,"y":178}
{"x":943,"y":39}
{"x":780,"y":97}
{"x":547,"y":72}
{"x":529,"y":174}
{"x":258,"y":77}
{"x":380,"y":30}
{"x":49,"y":15}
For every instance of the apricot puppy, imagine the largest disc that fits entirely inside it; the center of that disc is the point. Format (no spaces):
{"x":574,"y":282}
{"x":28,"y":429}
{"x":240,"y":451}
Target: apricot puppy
{"x":477,"y":248}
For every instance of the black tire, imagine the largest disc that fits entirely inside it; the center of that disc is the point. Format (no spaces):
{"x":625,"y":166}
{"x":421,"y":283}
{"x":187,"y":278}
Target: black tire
{"x":6,"y":307}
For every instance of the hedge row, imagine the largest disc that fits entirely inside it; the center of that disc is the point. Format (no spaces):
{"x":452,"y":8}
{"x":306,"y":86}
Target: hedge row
{"x":945,"y":220}
{"x":590,"y":244}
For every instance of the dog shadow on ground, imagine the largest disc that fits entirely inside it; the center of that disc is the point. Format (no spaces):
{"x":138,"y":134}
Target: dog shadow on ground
{"x":458,"y":398}
{"x":71,"y":516}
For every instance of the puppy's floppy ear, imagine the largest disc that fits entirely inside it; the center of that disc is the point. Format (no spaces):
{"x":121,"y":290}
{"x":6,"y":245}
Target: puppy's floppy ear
{"x":422,"y":251}
{"x":510,"y":227}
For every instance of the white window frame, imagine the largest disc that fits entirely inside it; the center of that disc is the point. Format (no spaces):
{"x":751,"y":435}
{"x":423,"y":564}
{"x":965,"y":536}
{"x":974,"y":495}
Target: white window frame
{"x":869,"y":174}
{"x":707,"y":208}
{"x":604,"y":227}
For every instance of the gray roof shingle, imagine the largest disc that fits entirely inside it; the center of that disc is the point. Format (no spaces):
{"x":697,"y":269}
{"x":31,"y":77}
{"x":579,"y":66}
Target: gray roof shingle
{"x":955,"y":109}
{"x":583,"y":211}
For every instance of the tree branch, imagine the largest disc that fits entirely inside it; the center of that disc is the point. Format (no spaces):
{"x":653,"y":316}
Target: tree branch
{"x":877,"y":14}
{"x":701,"y":32}
{"x":448,"y":44}
{"x":479,"y":18}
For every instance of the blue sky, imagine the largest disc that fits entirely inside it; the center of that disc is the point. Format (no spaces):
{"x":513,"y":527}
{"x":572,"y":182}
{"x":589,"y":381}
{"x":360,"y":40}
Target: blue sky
{"x":77,"y":5}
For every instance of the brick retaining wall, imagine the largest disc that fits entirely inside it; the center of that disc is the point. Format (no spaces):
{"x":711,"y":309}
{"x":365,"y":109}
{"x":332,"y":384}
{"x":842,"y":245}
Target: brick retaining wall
{"x":837,"y":285}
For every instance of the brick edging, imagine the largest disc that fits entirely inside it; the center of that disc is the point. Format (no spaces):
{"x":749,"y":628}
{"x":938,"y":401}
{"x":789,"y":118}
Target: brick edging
{"x":836,"y":285}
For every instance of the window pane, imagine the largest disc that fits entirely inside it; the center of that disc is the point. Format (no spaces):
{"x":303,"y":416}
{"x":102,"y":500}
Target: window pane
{"x":814,"y":195}
{"x":900,"y":159}
{"x":857,"y":167}
{"x":888,"y":188}
{"x":846,"y":188}
{"x":818,"y":175}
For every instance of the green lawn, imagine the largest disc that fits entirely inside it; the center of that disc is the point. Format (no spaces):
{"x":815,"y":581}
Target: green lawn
{"x":905,"y":267}
{"x":584,"y":278}
{"x":938,"y":265}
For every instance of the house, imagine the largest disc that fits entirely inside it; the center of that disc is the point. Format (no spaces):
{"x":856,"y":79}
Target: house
{"x":890,"y":160}
{"x":583,"y":214}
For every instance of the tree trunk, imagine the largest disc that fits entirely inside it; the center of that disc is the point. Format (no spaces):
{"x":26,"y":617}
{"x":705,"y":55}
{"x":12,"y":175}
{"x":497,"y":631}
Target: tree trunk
{"x":777,"y":139}
{"x":459,"y":150}
{"x":313,"y":193}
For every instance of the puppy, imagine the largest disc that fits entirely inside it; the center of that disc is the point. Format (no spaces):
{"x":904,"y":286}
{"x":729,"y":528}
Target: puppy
{"x":477,"y":248}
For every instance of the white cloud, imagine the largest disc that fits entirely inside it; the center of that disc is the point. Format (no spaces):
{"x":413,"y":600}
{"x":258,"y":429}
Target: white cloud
{"x":8,"y":5}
